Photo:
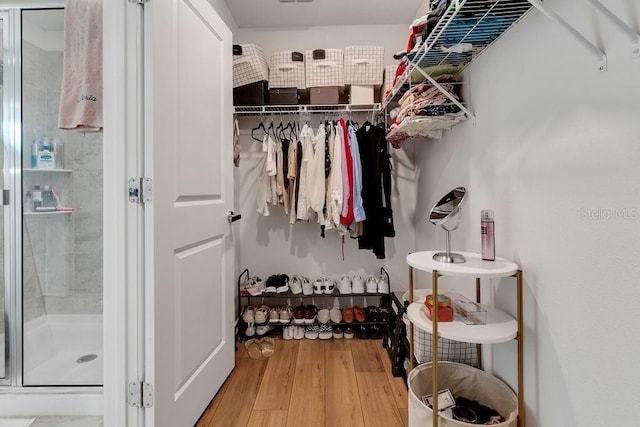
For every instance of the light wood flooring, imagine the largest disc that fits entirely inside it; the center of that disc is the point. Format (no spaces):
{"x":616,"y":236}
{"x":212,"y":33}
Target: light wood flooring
{"x":346,"y":383}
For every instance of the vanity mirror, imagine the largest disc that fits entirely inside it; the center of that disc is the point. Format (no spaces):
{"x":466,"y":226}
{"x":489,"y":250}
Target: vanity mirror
{"x":446,"y":214}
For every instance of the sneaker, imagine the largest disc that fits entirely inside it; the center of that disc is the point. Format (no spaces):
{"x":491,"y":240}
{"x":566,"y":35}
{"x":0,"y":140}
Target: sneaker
{"x":310,"y":314}
{"x":262,"y":315}
{"x":318,"y":286}
{"x":285,"y":314}
{"x":263,"y":330}
{"x":329,"y":285}
{"x":295,"y":284}
{"x":298,"y":314}
{"x":282,"y":283}
{"x":287,"y":332}
{"x":375,"y":332}
{"x":372,"y":284}
{"x":249,"y":314}
{"x":324,"y":316}
{"x":383,"y":285}
{"x":307,"y":287}
{"x":298,"y":332}
{"x":338,"y":333}
{"x":274,"y":315}
{"x":357,"y":285}
{"x":344,"y":285}
{"x":255,"y":286}
{"x":312,"y":332}
{"x":326,"y":332}
{"x":335,"y":315}
{"x":362,"y":332}
{"x":348,"y":333}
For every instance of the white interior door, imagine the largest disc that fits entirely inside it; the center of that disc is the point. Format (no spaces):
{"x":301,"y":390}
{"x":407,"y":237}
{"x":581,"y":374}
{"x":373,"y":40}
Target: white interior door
{"x":189,"y":274}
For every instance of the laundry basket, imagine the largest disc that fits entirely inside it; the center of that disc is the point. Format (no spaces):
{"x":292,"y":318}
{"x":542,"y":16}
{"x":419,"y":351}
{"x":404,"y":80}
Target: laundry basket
{"x":461,"y":380}
{"x":449,"y":350}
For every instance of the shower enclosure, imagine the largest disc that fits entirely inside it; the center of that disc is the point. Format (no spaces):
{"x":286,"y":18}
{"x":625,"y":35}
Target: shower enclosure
{"x":51,"y":265}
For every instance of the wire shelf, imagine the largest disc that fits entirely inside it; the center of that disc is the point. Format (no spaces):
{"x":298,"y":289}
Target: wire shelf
{"x":306,"y":109}
{"x":476,"y":22}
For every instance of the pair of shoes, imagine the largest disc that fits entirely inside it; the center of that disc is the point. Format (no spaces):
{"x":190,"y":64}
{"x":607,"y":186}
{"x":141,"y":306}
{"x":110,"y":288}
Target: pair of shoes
{"x":277,"y":283}
{"x":295,"y":284}
{"x":254,"y":286}
{"x":251,"y":330}
{"x":356,"y":313}
{"x":326,"y":332}
{"x":287,"y":332}
{"x":280,"y":315}
{"x":324,"y":316}
{"x":377,"y":284}
{"x":323,"y":285}
{"x":263,"y":347}
{"x":362,"y":332}
{"x":312,"y":332}
{"x":298,"y":332}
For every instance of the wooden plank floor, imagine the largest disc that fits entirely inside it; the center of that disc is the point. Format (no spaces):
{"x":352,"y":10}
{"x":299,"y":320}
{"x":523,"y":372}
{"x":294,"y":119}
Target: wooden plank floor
{"x":311,"y":383}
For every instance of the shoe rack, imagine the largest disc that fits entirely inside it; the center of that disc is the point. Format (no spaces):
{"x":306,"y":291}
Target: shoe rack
{"x":381,"y":300}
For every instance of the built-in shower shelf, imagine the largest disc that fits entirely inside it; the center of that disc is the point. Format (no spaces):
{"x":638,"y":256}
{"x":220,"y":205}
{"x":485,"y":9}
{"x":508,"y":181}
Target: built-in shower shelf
{"x":46,"y":213}
{"x":47,"y":170}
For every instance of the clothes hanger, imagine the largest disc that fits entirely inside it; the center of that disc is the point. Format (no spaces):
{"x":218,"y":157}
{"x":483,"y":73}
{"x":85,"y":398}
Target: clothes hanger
{"x":259,"y":127}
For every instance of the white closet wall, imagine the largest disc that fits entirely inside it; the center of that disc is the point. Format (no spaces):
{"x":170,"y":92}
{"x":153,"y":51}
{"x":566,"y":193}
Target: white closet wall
{"x":556,"y":140}
{"x":269,"y":245}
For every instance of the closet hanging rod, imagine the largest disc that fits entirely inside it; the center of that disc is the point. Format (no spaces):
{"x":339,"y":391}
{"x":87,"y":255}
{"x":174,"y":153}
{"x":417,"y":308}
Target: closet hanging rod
{"x":305,"y":109}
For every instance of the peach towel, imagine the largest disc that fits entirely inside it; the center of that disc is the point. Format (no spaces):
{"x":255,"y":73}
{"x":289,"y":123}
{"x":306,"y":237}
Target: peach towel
{"x":81,"y":94}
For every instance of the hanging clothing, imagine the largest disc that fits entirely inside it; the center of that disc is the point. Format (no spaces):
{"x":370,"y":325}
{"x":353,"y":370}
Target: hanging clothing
{"x":292,"y":177}
{"x":358,"y":210}
{"x":304,"y":203}
{"x":346,"y":218}
{"x":264,"y":195}
{"x":316,"y":182}
{"x":281,"y":192}
{"x":236,"y":143}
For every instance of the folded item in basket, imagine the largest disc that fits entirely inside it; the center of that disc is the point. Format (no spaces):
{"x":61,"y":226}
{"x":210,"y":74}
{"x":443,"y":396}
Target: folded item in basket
{"x":471,"y":411}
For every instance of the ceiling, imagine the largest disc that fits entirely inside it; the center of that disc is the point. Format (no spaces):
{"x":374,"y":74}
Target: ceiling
{"x":273,"y":13}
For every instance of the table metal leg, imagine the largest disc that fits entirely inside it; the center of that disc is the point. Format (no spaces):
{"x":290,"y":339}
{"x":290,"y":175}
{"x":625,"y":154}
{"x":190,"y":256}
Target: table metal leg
{"x":434,"y":357}
{"x":521,"y":407}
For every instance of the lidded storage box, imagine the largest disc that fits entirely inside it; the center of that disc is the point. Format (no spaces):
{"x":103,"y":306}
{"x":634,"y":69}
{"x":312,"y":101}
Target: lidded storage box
{"x":364,"y":65}
{"x":249,"y":65}
{"x":287,"y":70}
{"x":324,"y":67}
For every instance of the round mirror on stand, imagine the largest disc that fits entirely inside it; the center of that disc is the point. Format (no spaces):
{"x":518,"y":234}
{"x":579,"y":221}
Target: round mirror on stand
{"x":446,"y":214}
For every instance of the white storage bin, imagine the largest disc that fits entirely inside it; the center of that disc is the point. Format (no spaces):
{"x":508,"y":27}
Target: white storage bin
{"x":364,"y":65}
{"x":324,"y":67}
{"x":287,"y":69}
{"x":361,"y":95}
{"x":448,"y":350}
{"x":461,"y":380}
{"x":249,"y":65}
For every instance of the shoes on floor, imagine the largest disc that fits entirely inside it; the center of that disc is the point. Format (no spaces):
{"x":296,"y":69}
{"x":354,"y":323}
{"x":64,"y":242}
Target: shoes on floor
{"x":326,"y":332}
{"x":362,"y":332}
{"x":338,"y":333}
{"x":344,"y":285}
{"x":253,"y":348}
{"x":348,"y":333}
{"x":357,"y":285}
{"x":287,"y":332}
{"x":312,"y":332}
{"x":298,"y":332}
{"x":267,"y":346}
{"x":375,"y":332}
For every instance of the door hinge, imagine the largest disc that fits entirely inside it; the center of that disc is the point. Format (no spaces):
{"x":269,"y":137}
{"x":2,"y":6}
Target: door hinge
{"x":140,"y":190}
{"x":140,"y":394}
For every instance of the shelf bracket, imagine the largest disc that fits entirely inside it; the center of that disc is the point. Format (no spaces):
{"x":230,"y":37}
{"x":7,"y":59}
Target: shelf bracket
{"x":599,"y":54}
{"x":446,"y":93}
{"x":632,"y":34}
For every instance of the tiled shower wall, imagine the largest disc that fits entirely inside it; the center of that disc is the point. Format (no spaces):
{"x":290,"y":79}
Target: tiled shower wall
{"x":62,"y":253}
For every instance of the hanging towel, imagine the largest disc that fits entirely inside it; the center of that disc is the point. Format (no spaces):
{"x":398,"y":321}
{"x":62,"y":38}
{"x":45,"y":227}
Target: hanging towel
{"x":81,"y":94}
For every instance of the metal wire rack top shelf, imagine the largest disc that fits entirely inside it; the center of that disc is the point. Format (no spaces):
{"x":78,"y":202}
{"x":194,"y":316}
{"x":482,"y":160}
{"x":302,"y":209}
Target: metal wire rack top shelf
{"x":306,"y":109}
{"x":465,"y":30}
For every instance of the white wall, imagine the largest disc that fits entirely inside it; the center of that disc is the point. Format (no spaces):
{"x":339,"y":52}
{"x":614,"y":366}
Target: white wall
{"x":223,"y":10}
{"x":555,"y":137}
{"x":269,"y":244}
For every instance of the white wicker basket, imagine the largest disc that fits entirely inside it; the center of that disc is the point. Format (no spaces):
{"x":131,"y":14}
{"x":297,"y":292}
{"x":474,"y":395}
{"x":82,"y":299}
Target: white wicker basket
{"x":324,"y":72}
{"x":249,"y":67}
{"x":286,"y":69}
{"x":364,"y":65}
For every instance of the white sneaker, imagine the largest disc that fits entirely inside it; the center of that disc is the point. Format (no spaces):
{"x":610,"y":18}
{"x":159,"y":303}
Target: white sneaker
{"x":357,"y":285}
{"x":249,"y":315}
{"x":312,"y":332}
{"x":326,"y":332}
{"x":307,"y":287}
{"x":263,"y":330}
{"x":344,"y":285}
{"x":251,"y":330}
{"x":329,"y":285}
{"x":298,"y":332}
{"x":287,"y":332}
{"x":383,"y":285}
{"x":256,"y":286}
{"x":295,"y":284}
{"x":372,"y":284}
{"x":335,"y":315}
{"x":318,"y":286}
